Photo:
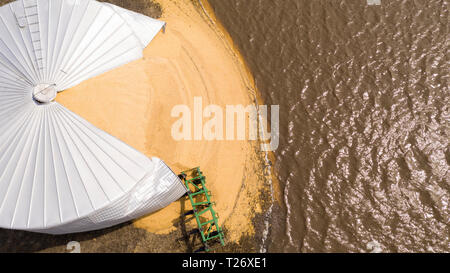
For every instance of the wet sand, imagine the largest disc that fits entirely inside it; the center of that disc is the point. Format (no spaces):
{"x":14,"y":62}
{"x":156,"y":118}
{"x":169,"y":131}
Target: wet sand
{"x":193,"y":58}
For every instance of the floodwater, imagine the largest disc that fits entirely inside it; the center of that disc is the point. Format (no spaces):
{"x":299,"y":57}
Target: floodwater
{"x":364,"y":100}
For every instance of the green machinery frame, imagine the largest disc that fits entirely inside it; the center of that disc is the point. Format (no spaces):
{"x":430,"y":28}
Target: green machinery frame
{"x":202,"y":207}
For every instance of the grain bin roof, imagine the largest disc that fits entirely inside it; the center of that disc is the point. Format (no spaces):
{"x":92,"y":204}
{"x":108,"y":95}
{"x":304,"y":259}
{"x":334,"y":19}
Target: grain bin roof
{"x":58,"y":173}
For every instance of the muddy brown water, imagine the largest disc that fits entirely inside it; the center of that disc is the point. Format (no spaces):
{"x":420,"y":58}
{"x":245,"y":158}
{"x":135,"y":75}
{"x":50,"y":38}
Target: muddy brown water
{"x":363,"y":91}
{"x":364,"y":155}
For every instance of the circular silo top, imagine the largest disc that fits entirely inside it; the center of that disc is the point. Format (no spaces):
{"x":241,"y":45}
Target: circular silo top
{"x":44,"y":92}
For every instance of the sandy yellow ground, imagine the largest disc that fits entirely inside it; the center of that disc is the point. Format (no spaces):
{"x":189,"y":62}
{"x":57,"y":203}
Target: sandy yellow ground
{"x":193,"y":57}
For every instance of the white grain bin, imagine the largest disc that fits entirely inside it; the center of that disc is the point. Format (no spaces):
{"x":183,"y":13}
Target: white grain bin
{"x":58,"y":173}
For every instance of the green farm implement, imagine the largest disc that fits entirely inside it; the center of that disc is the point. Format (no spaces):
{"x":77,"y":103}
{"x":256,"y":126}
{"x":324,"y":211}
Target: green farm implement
{"x":202,"y":208}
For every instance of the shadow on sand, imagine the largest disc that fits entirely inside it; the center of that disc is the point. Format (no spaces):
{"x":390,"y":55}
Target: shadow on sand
{"x":23,"y":241}
{"x":190,"y":237}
